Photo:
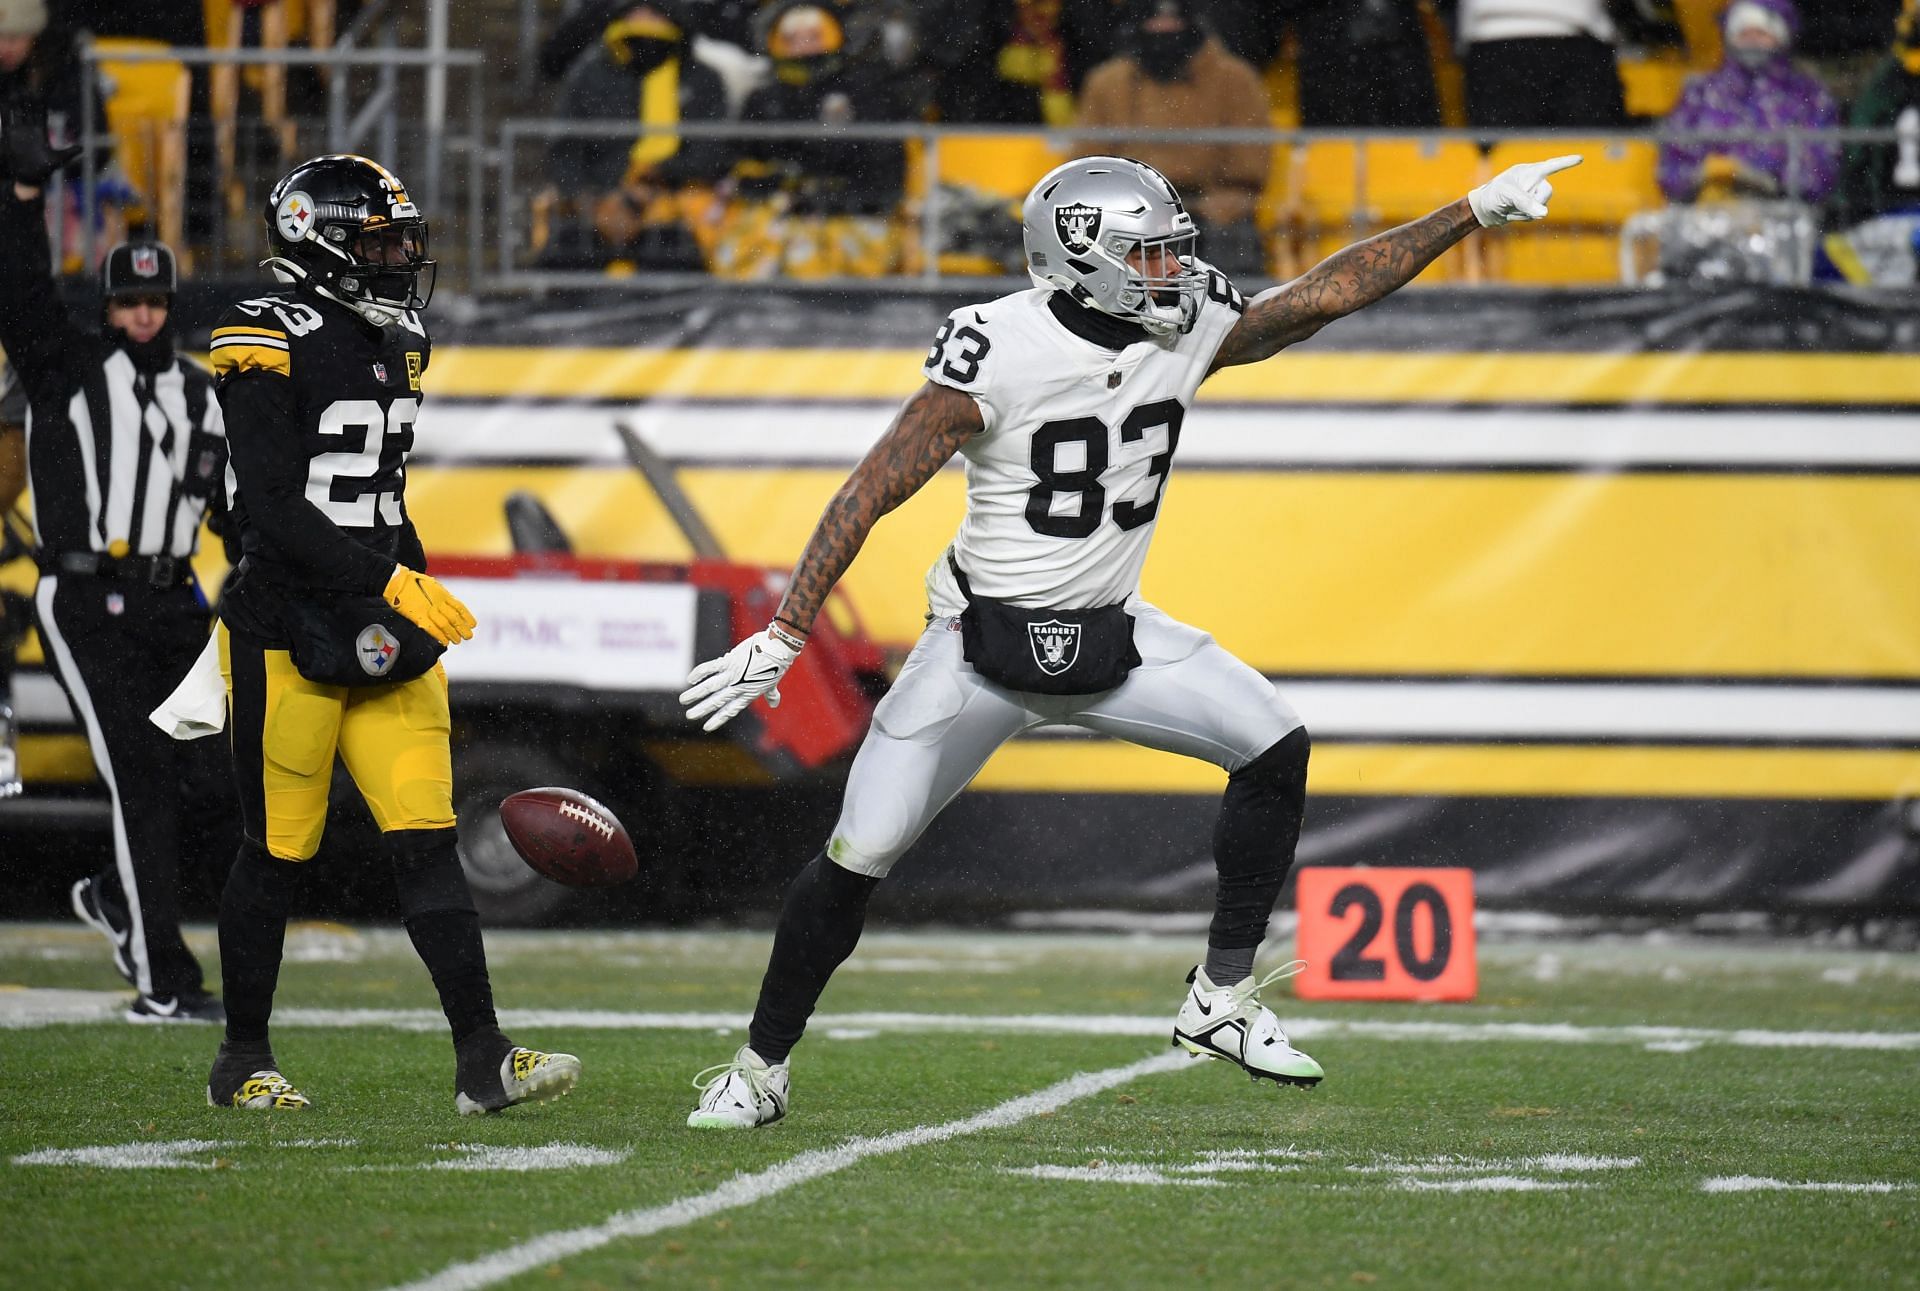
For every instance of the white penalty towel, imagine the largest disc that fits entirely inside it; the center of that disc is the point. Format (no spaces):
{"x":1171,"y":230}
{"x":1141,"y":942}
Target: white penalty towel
{"x":198,"y":705}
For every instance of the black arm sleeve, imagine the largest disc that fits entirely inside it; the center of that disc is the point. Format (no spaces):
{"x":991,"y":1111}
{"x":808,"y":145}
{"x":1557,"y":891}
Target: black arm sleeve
{"x":35,"y":331}
{"x":272,"y":477}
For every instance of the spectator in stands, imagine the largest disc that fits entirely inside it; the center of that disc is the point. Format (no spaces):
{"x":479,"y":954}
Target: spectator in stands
{"x":816,"y":81}
{"x":1000,"y":62}
{"x":1756,"y":88}
{"x":1177,"y":76}
{"x":1364,"y":64}
{"x":41,"y":67}
{"x":1541,"y":64}
{"x":635,"y":189}
{"x":1884,"y":178}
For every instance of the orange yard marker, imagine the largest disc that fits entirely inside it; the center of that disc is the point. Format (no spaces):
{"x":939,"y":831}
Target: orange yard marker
{"x":1370,"y":934}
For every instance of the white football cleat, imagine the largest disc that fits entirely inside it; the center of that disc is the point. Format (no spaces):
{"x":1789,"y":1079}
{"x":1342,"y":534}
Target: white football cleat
{"x":741,"y":1094}
{"x":1230,"y":1022}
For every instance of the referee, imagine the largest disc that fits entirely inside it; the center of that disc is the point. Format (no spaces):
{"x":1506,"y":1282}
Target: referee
{"x":125,"y":451}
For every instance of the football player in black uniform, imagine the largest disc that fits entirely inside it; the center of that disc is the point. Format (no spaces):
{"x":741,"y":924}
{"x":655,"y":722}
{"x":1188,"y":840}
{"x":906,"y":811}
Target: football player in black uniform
{"x":331,"y":630}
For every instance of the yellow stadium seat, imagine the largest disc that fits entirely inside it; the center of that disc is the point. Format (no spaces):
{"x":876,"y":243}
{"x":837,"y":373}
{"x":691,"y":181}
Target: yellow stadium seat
{"x":1409,"y":177}
{"x":1326,"y":184}
{"x":1652,"y":85}
{"x":1700,"y":28}
{"x":1615,"y":180}
{"x":147,"y":111}
{"x":1272,"y":206}
{"x":1006,"y":165}
{"x":1556,"y":257}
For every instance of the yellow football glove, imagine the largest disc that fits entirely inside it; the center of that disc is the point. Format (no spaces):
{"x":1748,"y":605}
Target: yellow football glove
{"x":424,"y":601}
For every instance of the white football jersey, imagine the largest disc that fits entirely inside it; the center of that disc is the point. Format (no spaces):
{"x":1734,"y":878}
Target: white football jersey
{"x":1064,"y":485}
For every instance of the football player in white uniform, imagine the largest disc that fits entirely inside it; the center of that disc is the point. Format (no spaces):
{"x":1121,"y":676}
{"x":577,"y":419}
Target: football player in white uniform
{"x":1066,"y":403}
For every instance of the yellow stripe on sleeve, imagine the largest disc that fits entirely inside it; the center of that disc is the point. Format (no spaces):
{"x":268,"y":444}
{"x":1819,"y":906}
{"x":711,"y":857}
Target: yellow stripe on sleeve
{"x":231,"y":360}
{"x":219,"y":332}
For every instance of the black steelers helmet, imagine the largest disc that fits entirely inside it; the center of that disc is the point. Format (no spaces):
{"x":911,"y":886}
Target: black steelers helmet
{"x":345,"y":225}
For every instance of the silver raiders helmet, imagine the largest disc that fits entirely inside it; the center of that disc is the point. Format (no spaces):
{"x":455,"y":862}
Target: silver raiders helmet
{"x":1084,"y":220}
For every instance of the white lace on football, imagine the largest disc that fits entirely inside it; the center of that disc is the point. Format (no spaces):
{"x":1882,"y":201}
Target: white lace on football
{"x":588,"y":817}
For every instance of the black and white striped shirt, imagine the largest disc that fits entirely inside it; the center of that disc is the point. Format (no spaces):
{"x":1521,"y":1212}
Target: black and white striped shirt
{"x":127,"y":463}
{"x":122,"y":457}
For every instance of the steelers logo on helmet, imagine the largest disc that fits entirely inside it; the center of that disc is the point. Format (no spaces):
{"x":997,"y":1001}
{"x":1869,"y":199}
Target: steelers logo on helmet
{"x":294,"y":216}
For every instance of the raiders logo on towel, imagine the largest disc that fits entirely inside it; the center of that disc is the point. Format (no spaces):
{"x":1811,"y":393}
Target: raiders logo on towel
{"x":1055,"y":645}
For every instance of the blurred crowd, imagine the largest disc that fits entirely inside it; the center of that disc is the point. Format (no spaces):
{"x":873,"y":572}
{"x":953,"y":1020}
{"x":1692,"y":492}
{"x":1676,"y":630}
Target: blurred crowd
{"x":775,"y":203}
{"x":165,"y":130}
{"x":1730,"y":97}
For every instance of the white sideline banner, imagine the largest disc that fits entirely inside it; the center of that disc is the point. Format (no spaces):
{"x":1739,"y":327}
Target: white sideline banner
{"x":596,"y":635}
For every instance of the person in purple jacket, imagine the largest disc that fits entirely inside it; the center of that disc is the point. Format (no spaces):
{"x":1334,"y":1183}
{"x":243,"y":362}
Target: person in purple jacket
{"x":1757,"y":87}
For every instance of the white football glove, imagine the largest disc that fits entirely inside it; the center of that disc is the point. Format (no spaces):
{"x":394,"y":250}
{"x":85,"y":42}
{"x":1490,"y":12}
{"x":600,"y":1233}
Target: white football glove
{"x":1517,"y":193}
{"x":720,"y":689}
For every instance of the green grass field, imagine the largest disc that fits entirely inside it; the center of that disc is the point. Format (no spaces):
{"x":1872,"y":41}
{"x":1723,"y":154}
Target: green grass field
{"x":1544,"y":1136}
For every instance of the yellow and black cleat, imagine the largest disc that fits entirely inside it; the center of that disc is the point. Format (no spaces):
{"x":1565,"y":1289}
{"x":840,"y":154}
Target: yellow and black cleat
{"x":521,"y":1076}
{"x":252,"y":1083}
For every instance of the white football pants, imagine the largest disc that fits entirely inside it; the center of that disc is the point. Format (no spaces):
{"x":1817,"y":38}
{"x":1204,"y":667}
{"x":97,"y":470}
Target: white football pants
{"x":941,"y":721}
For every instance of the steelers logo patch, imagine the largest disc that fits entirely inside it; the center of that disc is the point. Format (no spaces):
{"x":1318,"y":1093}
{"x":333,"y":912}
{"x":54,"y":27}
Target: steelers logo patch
{"x":294,"y":216}
{"x":377,"y":650}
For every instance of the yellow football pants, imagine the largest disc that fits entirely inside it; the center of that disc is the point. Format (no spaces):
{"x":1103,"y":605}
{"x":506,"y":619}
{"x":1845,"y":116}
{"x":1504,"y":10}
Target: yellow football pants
{"x":285,"y":730}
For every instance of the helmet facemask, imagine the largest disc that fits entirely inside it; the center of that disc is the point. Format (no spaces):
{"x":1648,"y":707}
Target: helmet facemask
{"x":383,"y":266}
{"x":1163,"y":288}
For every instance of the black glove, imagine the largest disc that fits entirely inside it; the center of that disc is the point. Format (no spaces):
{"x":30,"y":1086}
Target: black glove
{"x":25,"y":156}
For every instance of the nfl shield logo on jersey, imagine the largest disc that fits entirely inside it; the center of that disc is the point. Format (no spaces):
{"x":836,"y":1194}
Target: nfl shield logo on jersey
{"x":380,"y":373}
{"x":1078,"y":225}
{"x":1055,"y":645}
{"x":377,"y":650}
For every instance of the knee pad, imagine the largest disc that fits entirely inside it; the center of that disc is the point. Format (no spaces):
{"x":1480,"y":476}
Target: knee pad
{"x":1283,"y":766}
{"x":259,"y":880}
{"x":426,"y":871}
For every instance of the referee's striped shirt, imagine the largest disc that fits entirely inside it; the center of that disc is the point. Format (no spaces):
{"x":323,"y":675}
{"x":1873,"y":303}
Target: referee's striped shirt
{"x":125,"y":463}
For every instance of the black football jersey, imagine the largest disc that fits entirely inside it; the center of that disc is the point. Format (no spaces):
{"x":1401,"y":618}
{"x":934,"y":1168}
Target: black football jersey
{"x":320,"y":409}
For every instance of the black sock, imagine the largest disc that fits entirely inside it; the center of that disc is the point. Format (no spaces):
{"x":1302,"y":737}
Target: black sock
{"x":1253,"y":846}
{"x":1229,"y":964}
{"x":253,"y":929}
{"x":438,"y":912}
{"x":820,"y":924}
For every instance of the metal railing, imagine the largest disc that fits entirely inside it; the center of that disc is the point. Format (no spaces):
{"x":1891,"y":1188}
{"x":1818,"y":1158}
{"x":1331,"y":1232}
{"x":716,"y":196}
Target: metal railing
{"x":342,"y":131}
{"x":925,"y":208}
{"x":505,"y":169}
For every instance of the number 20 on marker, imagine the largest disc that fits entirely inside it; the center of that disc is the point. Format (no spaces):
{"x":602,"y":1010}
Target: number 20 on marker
{"x":1370,"y":934}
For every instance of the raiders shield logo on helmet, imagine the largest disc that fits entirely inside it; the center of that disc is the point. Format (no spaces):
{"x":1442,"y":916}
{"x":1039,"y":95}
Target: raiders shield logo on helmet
{"x":1078,"y":226}
{"x":1055,"y":645}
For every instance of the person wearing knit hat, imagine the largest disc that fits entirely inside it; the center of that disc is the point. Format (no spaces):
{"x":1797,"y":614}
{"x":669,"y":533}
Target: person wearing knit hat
{"x":20,"y":20}
{"x":1759,"y":90}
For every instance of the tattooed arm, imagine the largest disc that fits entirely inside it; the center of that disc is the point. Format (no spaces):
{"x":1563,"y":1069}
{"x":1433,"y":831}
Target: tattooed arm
{"x":1342,"y":283}
{"x":929,"y":429}
{"x":1366,"y":271}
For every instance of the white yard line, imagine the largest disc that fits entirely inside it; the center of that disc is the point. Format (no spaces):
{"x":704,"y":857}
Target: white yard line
{"x":37,"y":1008}
{"x":746,"y":1189}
